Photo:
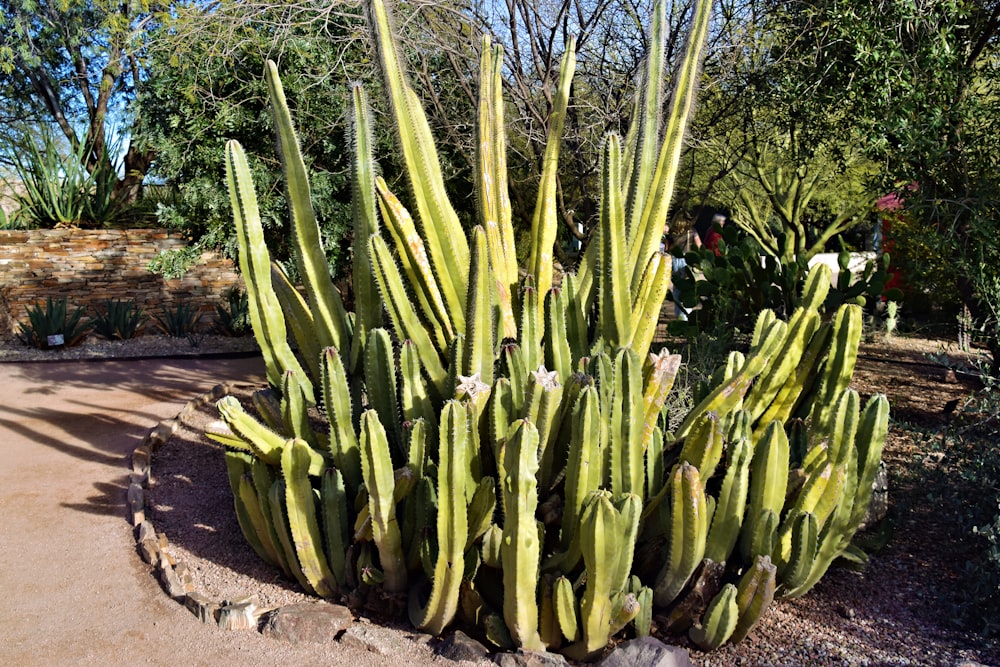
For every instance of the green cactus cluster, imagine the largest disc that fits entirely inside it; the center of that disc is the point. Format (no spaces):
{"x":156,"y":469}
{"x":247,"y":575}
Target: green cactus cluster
{"x":487,"y":445}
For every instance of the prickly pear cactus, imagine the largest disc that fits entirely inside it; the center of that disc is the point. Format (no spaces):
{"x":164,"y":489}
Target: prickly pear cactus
{"x":493,"y":447}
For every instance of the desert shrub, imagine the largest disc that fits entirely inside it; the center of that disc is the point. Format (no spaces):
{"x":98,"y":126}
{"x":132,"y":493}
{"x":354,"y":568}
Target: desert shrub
{"x":53,"y":320}
{"x":742,"y":280}
{"x":120,"y":319}
{"x":180,"y":321}
{"x":233,"y":317}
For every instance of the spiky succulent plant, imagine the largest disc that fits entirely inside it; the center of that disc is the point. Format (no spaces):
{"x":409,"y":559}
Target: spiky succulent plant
{"x":493,"y":446}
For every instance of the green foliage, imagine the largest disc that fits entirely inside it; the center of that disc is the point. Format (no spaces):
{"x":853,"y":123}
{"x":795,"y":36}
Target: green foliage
{"x":59,"y":190}
{"x":51,"y":320}
{"x":233,"y":317}
{"x":204,"y":95}
{"x":120,"y":320}
{"x":74,"y":66}
{"x":743,"y":280}
{"x":180,"y":321}
{"x":592,"y":489}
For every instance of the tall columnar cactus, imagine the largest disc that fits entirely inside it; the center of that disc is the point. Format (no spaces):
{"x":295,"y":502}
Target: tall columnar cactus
{"x":494,"y":447}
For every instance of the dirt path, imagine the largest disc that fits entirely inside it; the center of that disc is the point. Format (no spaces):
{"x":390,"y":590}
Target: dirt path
{"x":74,"y":590}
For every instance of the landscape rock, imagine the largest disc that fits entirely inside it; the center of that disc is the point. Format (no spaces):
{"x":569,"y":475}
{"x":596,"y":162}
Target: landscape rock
{"x":239,"y":614}
{"x":308,"y":622}
{"x":204,"y":608}
{"x":377,"y":639}
{"x":522,"y":658}
{"x":647,"y":652}
{"x":460,"y":646}
{"x":172,"y":583}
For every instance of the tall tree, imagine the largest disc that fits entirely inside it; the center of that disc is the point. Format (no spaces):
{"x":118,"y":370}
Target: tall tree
{"x":76,"y":64}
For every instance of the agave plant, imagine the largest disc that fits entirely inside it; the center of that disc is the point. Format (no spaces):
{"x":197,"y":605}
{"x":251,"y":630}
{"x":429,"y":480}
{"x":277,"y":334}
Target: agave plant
{"x":494,"y":449}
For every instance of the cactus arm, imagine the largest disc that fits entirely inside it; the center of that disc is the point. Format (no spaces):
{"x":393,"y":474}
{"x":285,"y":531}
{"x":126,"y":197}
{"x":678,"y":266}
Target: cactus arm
{"x":280,"y":519}
{"x":333,"y":497}
{"x":452,"y":522}
{"x":804,"y":540}
{"x":401,"y":312}
{"x":367,"y":303}
{"x":376,"y":465}
{"x":557,"y":347}
{"x":703,"y":446}
{"x":521,"y":548}
{"x":247,"y":507}
{"x":728,"y":517}
{"x":583,"y":472}
{"x":627,"y":470}
{"x":324,"y":300}
{"x":440,"y":227}
{"x":754,"y":594}
{"x":294,"y":409}
{"x":566,"y":608}
{"x":298,"y":318}
{"x":663,"y":371}
{"x":576,"y":321}
{"x":613,"y":297}
{"x":343,"y":439}
{"x":265,"y":312}
{"x":647,"y":309}
{"x":412,"y":254}
{"x":730,"y":393}
{"x":869,"y":442}
{"x":530,"y":328}
{"x":262,"y":441}
{"x":415,"y":399}
{"x":801,"y":328}
{"x":839,"y":368}
{"x":719,"y":622}
{"x":302,"y":520}
{"x":644,"y":130}
{"x":600,"y":552}
{"x":799,"y":382}
{"x":544,"y":222}
{"x":688,"y":519}
{"x":645,"y":239}
{"x":477,"y":357}
{"x":380,"y":380}
{"x":491,"y":183}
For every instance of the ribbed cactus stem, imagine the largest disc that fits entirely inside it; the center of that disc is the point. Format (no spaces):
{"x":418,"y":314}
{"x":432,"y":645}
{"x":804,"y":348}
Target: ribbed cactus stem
{"x":613,"y":296}
{"x":491,"y":183}
{"x":439,"y":224}
{"x":520,"y":552}
{"x":544,"y":224}
{"x":477,"y":356}
{"x":343,"y":443}
{"x":645,"y":238}
{"x":688,"y":531}
{"x":376,"y":464}
{"x":368,"y":306}
{"x":416,"y":266}
{"x":401,"y":312}
{"x":627,"y":414}
{"x":302,"y":520}
{"x":255,"y":264}
{"x":452,"y":522}
{"x":324,"y":300}
{"x":298,"y":318}
{"x":583,"y":470}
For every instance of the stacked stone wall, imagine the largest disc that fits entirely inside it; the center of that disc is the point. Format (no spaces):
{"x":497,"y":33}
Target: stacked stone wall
{"x":88,"y":267}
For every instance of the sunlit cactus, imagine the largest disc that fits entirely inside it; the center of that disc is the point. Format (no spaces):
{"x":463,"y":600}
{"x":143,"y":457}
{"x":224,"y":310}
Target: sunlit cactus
{"x":488,"y":447}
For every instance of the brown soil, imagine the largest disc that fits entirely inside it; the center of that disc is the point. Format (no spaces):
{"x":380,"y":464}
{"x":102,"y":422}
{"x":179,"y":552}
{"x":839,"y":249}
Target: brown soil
{"x":905,"y":608}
